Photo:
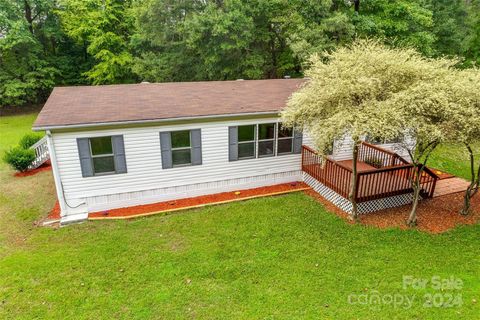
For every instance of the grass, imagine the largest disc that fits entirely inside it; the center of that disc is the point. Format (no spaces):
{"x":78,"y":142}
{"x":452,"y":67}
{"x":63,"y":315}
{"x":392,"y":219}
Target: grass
{"x":280,"y":257}
{"x":454,"y":159}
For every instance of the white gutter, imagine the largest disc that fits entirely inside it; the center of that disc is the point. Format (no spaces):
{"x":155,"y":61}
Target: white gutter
{"x":56,"y":174}
{"x":113,"y":123}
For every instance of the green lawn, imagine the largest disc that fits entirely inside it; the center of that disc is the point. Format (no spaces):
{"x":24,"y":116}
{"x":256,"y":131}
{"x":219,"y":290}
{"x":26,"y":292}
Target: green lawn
{"x":280,"y":257}
{"x":454,"y":159}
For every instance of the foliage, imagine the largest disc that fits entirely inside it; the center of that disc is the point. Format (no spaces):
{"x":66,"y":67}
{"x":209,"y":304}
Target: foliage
{"x":347,"y":91}
{"x":102,"y":28}
{"x":463,"y":111}
{"x":67,"y":42}
{"x":29,"y":140}
{"x":401,"y":23}
{"x":19,"y":158}
{"x":370,"y":89}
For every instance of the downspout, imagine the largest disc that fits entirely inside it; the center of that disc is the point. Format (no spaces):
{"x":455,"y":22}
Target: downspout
{"x":56,"y":174}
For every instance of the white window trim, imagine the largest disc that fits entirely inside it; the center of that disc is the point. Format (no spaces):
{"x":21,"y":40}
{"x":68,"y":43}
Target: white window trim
{"x":284,"y":138}
{"x":254,"y":141}
{"x":266,"y":140}
{"x":103,"y":155}
{"x":275,"y":140}
{"x":182,"y":148}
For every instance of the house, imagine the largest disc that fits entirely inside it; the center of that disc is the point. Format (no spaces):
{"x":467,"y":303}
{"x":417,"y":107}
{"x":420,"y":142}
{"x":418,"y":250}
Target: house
{"x":123,"y":145}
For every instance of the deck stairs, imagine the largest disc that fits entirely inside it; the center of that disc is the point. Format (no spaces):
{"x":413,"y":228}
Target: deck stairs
{"x":42,"y":153}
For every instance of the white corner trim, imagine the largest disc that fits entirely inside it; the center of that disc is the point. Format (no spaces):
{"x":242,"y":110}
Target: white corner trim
{"x":56,"y":174}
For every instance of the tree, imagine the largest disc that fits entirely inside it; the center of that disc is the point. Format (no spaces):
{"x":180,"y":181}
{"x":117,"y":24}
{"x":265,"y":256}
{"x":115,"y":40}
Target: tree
{"x":67,"y":42}
{"x":471,"y":43}
{"x":449,"y":25}
{"x":368,"y":88}
{"x":26,"y":76}
{"x":430,"y":109}
{"x":344,"y":95}
{"x":103,"y":28}
{"x":405,"y":23}
{"x":213,"y":40}
{"x":464,"y":119}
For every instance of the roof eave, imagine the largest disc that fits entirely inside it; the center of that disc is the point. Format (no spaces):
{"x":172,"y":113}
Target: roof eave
{"x":150,"y":121}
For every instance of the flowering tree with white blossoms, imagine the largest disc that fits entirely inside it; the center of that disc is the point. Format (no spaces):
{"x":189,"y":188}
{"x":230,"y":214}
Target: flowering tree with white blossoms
{"x":343,"y":95}
{"x":372,"y":89}
{"x":425,"y":125}
{"x":464,"y":114}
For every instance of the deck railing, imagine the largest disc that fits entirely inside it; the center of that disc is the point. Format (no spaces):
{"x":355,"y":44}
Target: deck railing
{"x":378,"y":157}
{"x":41,"y":153}
{"x":372,"y":184}
{"x":331,"y":173}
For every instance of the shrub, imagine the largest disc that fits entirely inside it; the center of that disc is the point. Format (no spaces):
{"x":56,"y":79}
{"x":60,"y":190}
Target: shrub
{"x":19,"y":158}
{"x":29,"y":140}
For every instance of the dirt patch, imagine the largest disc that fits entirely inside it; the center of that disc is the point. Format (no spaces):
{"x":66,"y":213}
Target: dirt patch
{"x":44,"y":167}
{"x":435,"y":215}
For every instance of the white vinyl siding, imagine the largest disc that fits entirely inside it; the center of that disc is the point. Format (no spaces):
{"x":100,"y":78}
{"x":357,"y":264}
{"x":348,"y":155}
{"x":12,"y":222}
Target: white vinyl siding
{"x":343,"y":148}
{"x":147,"y":182}
{"x":146,"y":177}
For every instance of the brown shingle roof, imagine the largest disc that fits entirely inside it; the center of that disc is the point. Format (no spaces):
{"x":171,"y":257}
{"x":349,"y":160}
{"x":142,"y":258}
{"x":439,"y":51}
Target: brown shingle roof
{"x":87,"y":105}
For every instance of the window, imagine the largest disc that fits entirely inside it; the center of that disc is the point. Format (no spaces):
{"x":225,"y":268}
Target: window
{"x":266,"y":139}
{"x":262,"y":140}
{"x":285,"y":140}
{"x":181,"y":148}
{"x":246,"y":142}
{"x":101,"y":151}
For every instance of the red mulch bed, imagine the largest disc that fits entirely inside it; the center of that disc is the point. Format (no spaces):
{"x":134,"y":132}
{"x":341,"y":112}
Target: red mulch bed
{"x":131,"y":212}
{"x":44,"y":167}
{"x":435,"y":215}
{"x":55,"y":212}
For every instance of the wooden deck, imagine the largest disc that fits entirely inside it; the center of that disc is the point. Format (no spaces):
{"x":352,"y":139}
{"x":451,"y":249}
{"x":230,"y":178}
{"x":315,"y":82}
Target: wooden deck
{"x":381,"y":173}
{"x":361,"y":166}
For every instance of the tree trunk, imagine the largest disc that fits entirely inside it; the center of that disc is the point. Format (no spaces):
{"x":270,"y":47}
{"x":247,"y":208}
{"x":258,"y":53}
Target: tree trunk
{"x":474,"y":184}
{"x":356,"y":5}
{"x":273,"y":53}
{"x":412,"y":218}
{"x":418,"y":167}
{"x":354,"y":182}
{"x":28,"y":15}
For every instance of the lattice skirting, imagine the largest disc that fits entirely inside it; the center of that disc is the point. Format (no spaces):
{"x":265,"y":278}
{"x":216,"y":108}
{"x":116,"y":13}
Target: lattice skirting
{"x":364,"y":207}
{"x":328,"y":193}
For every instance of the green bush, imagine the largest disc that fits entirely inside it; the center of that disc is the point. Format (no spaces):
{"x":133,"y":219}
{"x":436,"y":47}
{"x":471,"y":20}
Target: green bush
{"x":29,"y":140}
{"x":19,"y":158}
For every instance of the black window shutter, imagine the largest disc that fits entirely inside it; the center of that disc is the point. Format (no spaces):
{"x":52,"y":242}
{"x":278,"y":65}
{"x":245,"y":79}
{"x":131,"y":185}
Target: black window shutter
{"x":166,"y":149}
{"x":196,"y":143}
{"x":85,"y":157}
{"x":233,"y":143}
{"x":119,"y":154}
